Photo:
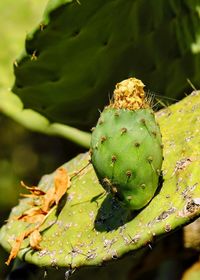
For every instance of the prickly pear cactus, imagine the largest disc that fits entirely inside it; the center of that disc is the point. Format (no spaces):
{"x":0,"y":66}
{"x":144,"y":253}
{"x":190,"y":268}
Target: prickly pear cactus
{"x":126,"y":148}
{"x":67,"y":70}
{"x":89,"y":227}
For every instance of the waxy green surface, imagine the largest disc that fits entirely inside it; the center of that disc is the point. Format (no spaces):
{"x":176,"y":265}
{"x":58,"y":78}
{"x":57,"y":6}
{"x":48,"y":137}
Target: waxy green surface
{"x":81,"y":49}
{"x":89,"y":228}
{"x":126,"y":152}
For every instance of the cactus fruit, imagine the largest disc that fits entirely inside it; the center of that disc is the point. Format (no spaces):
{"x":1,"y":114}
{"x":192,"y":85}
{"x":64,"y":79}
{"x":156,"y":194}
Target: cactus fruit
{"x":126,"y":148}
{"x":88,"y":228}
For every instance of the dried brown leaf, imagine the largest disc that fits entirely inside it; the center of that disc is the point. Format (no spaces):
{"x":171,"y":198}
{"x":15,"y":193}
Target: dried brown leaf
{"x":30,"y":195}
{"x":48,"y":200}
{"x":61,"y":183}
{"x":16,"y":247}
{"x":53,"y":195}
{"x":35,"y":239}
{"x":32,"y":215}
{"x":40,"y":210}
{"x":33,"y":219}
{"x":35,"y":190}
{"x":18,"y":241}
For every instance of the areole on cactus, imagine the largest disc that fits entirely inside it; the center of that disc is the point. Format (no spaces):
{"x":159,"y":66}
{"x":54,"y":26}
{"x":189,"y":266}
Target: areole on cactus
{"x":126,"y":148}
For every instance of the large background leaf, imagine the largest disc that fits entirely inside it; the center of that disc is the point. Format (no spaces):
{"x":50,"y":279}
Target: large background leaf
{"x":74,"y":58}
{"x":17,"y":19}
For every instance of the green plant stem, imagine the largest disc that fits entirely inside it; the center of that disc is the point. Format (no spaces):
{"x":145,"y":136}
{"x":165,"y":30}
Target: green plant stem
{"x":12,"y":106}
{"x":78,"y":136}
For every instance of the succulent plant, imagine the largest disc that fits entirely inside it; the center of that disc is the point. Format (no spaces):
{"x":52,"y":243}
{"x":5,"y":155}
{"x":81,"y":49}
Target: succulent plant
{"x":90,"y":228}
{"x":66,"y":71}
{"x":80,"y":50}
{"x":70,"y":63}
{"x":126,"y":147}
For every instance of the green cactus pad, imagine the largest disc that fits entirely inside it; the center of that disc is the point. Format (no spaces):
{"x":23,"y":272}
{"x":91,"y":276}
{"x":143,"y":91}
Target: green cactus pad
{"x":128,"y":143}
{"x":89,"y":228}
{"x":81,"y":49}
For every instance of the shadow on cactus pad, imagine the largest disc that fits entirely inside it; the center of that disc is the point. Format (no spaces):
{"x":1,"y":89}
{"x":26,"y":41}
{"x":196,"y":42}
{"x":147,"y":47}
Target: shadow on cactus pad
{"x":72,"y":237}
{"x":111,"y":215}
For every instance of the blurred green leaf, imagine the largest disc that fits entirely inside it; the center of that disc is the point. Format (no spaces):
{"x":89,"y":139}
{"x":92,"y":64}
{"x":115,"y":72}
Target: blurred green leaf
{"x":17,"y":19}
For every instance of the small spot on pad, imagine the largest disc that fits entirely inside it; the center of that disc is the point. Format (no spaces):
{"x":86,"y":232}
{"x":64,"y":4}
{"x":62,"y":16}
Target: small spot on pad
{"x":123,"y":130}
{"x":128,"y":173}
{"x":114,"y":158}
{"x":103,"y":139}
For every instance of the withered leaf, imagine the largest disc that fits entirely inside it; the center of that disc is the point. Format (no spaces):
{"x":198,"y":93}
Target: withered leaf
{"x":35,"y":190}
{"x":41,"y":207}
{"x":18,"y":241}
{"x":16,"y":247}
{"x":48,"y":200}
{"x":32,"y":215}
{"x":61,"y":183}
{"x":35,"y":239}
